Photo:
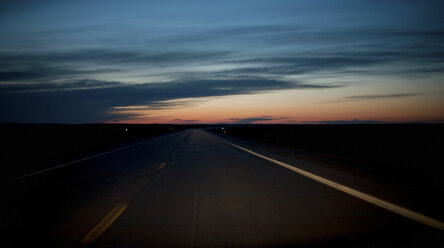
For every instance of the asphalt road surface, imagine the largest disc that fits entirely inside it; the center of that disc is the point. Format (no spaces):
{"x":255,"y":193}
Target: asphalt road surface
{"x":192,"y":188}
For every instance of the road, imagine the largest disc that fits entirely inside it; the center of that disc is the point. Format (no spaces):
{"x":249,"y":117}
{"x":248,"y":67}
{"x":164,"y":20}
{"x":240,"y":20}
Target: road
{"x":193,"y":189}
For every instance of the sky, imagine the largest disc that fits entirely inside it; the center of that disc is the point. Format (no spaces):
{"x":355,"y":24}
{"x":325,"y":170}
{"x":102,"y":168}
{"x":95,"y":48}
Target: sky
{"x":251,"y":61}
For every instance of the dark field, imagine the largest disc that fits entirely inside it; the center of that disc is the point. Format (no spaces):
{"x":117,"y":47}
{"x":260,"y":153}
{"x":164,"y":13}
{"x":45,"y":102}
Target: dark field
{"x":386,"y":150}
{"x":395,"y":150}
{"x":28,"y":148}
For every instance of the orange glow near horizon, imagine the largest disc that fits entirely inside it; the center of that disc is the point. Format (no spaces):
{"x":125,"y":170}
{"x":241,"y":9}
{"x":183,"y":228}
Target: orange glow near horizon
{"x":294,"y":106}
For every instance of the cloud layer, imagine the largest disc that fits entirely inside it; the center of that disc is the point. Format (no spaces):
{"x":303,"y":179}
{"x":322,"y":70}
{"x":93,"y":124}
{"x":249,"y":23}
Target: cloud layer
{"x":79,"y":61}
{"x":92,"y":100}
{"x":380,"y":96}
{"x":256,"y":119}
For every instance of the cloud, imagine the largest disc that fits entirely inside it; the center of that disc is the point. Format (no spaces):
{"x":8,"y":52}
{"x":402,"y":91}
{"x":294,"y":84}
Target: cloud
{"x":93,"y":101}
{"x":191,"y":88}
{"x":365,"y":50}
{"x":184,"y":121}
{"x":49,"y":86}
{"x":109,"y":56}
{"x":354,"y":121}
{"x":349,"y":51}
{"x":300,"y":64}
{"x":66,"y":85}
{"x":339,"y":62}
{"x":49,"y":66}
{"x":37,"y":72}
{"x":226,"y":33}
{"x":378,"y":96}
{"x":256,"y":119}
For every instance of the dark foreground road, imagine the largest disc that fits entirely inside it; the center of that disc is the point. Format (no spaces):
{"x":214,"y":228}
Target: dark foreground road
{"x":192,"y":189}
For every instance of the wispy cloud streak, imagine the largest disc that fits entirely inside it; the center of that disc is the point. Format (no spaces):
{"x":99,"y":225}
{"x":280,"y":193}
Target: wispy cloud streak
{"x":251,"y":120}
{"x":378,"y":96}
{"x":92,"y":100}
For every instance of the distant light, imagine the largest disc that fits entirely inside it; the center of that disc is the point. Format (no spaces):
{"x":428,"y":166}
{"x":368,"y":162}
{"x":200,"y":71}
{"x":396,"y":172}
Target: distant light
{"x":222,"y":128}
{"x":126,"y":129}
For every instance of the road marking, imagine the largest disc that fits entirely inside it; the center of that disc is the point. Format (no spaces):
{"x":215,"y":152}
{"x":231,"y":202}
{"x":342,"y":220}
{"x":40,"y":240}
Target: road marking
{"x":161,"y":166}
{"x":73,"y":162}
{"x":194,"y":221}
{"x":103,"y":225}
{"x":368,"y":198}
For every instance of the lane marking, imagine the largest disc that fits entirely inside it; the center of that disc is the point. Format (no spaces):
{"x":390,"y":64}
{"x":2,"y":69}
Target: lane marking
{"x":410,"y":214}
{"x":103,"y":225}
{"x":194,"y":221}
{"x":161,"y":166}
{"x":72,"y":162}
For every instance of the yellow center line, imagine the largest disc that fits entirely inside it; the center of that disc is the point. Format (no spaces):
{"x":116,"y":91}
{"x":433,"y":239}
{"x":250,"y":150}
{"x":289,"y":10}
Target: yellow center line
{"x":161,"y":166}
{"x":103,"y":225}
{"x":194,"y":223}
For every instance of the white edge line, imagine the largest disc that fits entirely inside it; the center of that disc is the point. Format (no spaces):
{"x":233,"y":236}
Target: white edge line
{"x":72,"y":162}
{"x":368,"y":198}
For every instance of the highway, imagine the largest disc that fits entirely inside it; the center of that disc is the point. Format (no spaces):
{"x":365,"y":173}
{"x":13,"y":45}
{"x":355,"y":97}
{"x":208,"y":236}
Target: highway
{"x":194,"y":188}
